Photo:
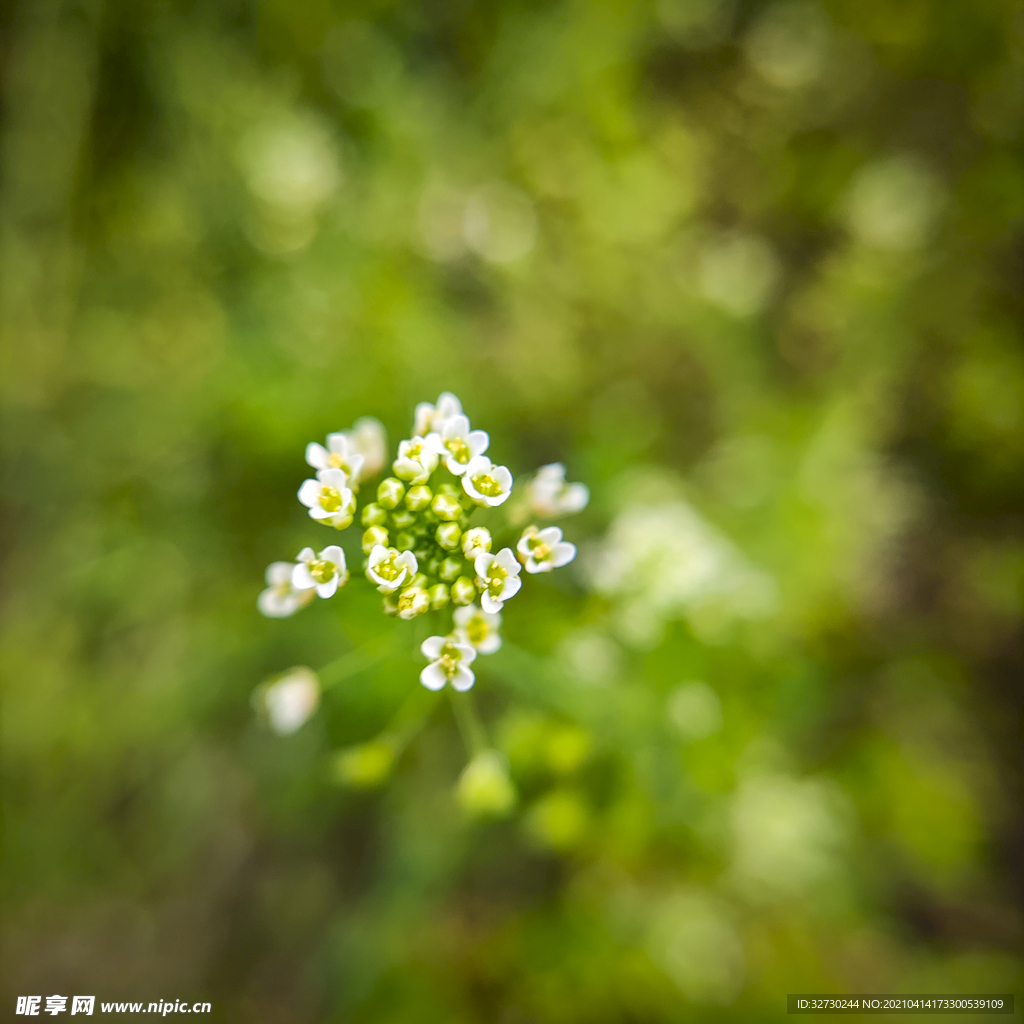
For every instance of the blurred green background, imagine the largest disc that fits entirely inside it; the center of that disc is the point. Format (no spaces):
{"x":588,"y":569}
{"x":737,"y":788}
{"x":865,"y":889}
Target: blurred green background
{"x":753,"y":271}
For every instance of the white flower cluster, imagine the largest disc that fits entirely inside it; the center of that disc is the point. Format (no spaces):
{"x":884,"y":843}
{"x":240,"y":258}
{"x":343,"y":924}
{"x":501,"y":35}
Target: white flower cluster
{"x":421,"y":551}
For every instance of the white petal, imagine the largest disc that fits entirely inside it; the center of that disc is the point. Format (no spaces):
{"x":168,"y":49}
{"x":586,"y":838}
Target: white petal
{"x":461,"y":616}
{"x":339,"y":443}
{"x":278,"y":573}
{"x":499,"y":499}
{"x":327,"y":589}
{"x":378,"y":555}
{"x":511,"y":587}
{"x":533,"y":566}
{"x":463,"y":679}
{"x":435,"y":444}
{"x":504,"y":477}
{"x":309,"y":493}
{"x":306,"y":555}
{"x":433,"y":677}
{"x":523,"y":545}
{"x":550,"y":535}
{"x":507,"y":561}
{"x":431,"y":647}
{"x":316,"y":455}
{"x":333,"y":553}
{"x":479,"y":464}
{"x":455,"y":467}
{"x":448,"y":404}
{"x":320,"y":513}
{"x":575,"y":497}
{"x":467,"y":653}
{"x":408,"y":559}
{"x":483,"y":563}
{"x":336,"y":478}
{"x":552,"y":471}
{"x":489,"y":604}
{"x":489,"y":644}
{"x":478,"y":440}
{"x":563,"y":554}
{"x":276,"y":605}
{"x":456,"y":426}
{"x":302,"y":579}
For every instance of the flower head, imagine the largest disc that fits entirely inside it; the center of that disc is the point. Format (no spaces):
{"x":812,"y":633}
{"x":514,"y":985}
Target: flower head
{"x":486,"y":483}
{"x":389,"y":568}
{"x":329,"y":498}
{"x":497,"y":578}
{"x":369,"y":438}
{"x":290,"y":700}
{"x":449,"y":659}
{"x":478,"y":628}
{"x":544,"y":550}
{"x":550,"y":496}
{"x":432,"y":417}
{"x":457,"y":444}
{"x":340,"y":453}
{"x":416,"y":460}
{"x":324,"y":572}
{"x":281,"y":599}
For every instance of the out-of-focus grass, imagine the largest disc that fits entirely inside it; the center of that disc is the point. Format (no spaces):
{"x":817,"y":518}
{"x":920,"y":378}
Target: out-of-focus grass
{"x":751,"y":270}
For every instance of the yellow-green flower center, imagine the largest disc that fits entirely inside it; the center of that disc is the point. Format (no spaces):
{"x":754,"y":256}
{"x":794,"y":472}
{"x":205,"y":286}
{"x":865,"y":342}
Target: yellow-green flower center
{"x":487,"y":485}
{"x":330,"y":499}
{"x":477,"y":630}
{"x":449,"y":660}
{"x":541,"y":552}
{"x":323,"y":572}
{"x":337,"y":461}
{"x":459,"y":449}
{"x":387,"y":570}
{"x":496,"y":580}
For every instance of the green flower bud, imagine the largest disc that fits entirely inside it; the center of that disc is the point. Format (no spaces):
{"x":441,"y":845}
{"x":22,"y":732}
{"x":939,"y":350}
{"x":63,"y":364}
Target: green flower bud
{"x":429,"y":518}
{"x":446,"y":506}
{"x":450,"y":568}
{"x":433,"y":565}
{"x":390,"y":492}
{"x":463,"y":591}
{"x":448,"y":536}
{"x":372,"y":537}
{"x":403,"y":518}
{"x":485,"y":789}
{"x":374,"y":515}
{"x":366,"y":766}
{"x":405,"y":541}
{"x":418,"y":498}
{"x":449,"y":488}
{"x":438,"y":596}
{"x":419,"y":580}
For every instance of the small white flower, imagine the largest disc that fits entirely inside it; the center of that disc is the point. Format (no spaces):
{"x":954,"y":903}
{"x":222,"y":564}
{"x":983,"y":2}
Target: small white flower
{"x":544,"y":550}
{"x":486,"y":483}
{"x":369,"y":438}
{"x":291,"y":700}
{"x":340,"y":453}
{"x":416,"y":460}
{"x":476,"y":542}
{"x":281,"y":599}
{"x":329,"y":498}
{"x":497,"y":578}
{"x":388,"y":568}
{"x":457,"y":444}
{"x":432,"y":417}
{"x":550,"y":496}
{"x":325,"y":572}
{"x":480,"y":629}
{"x":448,"y":660}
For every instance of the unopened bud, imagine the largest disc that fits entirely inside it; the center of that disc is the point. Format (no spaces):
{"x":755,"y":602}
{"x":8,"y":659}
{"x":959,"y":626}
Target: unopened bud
{"x":450,"y":568}
{"x":439,"y":596}
{"x":476,"y":542}
{"x":374,"y":515}
{"x":405,"y":541}
{"x":463,"y":591}
{"x":413,"y":601}
{"x":446,"y":506}
{"x":372,"y":537}
{"x":418,"y":498}
{"x":403,"y":518}
{"x":390,"y":492}
{"x":448,"y":536}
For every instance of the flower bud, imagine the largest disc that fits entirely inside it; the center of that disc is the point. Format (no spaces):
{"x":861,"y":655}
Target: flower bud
{"x":372,"y":537}
{"x":446,"y":506}
{"x":433,"y":566}
{"x":413,"y":601}
{"x":450,"y":568}
{"x":366,"y":766}
{"x":476,"y":542}
{"x":463,"y":591}
{"x":374,"y":515}
{"x":484,"y":788}
{"x":390,"y":605}
{"x":448,"y":536}
{"x":405,"y":541}
{"x":449,"y":488}
{"x":390,"y":492}
{"x":419,"y":580}
{"x":403,"y":518}
{"x":418,"y":498}
{"x":438,"y":596}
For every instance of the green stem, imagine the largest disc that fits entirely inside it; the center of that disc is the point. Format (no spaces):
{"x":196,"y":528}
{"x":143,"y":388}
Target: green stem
{"x":352,"y":663}
{"x":470,"y":726}
{"x":410,"y":718}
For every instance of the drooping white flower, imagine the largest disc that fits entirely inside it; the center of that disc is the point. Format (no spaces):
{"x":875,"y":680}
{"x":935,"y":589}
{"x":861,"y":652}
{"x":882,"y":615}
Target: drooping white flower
{"x":449,"y":659}
{"x":369,"y":438}
{"x":340,"y":453}
{"x":432,"y":417}
{"x":544,"y":550}
{"x":486,"y":483}
{"x":416,"y":460}
{"x":389,"y":568}
{"x":324,"y":572}
{"x":497,"y":578}
{"x":550,"y":496}
{"x":478,"y":628}
{"x":281,"y":599}
{"x":457,"y":444}
{"x":476,"y":541}
{"x":291,"y":700}
{"x":329,"y":498}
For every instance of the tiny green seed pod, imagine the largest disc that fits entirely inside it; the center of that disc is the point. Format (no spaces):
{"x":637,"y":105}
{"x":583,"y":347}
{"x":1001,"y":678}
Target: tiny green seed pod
{"x":446,"y":506}
{"x":403,"y":518}
{"x":372,"y":537}
{"x":450,"y":568}
{"x":463,"y":591}
{"x":390,"y":492}
{"x":438,"y":596}
{"x":448,"y":536}
{"x":419,"y":497}
{"x":405,"y":541}
{"x":374,"y":515}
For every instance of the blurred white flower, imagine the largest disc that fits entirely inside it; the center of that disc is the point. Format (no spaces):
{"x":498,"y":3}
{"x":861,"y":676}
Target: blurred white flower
{"x":892,"y":203}
{"x":388,"y":568}
{"x":478,"y":628}
{"x":544,"y":550}
{"x":738,"y":273}
{"x":329,"y":498}
{"x":369,"y":438}
{"x":324,"y":572}
{"x":499,"y":223}
{"x":281,"y":599}
{"x":593,"y":658}
{"x":448,"y":663}
{"x":549,"y":495}
{"x":291,"y":700}
{"x":486,"y":483}
{"x":416,"y":460}
{"x":433,"y":417}
{"x":457,"y":444}
{"x":339,"y":454}
{"x":497,"y":578}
